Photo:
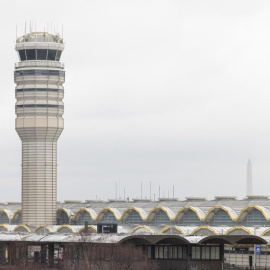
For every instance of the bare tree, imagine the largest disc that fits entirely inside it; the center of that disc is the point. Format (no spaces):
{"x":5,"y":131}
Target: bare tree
{"x":103,"y":256}
{"x":18,"y":254}
{"x":85,"y":254}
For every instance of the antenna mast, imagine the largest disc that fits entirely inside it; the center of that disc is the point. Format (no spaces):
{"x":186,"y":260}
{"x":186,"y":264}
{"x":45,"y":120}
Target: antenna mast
{"x":119,"y":188}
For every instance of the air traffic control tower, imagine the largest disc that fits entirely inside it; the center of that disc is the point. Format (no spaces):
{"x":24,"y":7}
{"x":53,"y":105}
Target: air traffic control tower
{"x":39,"y":108}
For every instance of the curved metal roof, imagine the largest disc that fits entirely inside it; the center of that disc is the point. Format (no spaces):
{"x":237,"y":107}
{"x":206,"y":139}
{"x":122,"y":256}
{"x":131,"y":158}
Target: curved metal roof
{"x":150,"y":239}
{"x":175,"y":210}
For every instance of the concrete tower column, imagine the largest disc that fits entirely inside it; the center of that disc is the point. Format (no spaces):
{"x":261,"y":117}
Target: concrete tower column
{"x":39,"y":108}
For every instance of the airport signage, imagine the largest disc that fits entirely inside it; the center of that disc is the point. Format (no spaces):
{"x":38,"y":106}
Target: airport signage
{"x":258,"y":249}
{"x":107,"y":228}
{"x":242,"y":249}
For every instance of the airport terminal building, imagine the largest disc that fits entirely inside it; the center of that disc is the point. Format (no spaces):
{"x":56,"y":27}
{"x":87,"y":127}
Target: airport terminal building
{"x":252,"y":213}
{"x":184,"y":231}
{"x":193,"y":219}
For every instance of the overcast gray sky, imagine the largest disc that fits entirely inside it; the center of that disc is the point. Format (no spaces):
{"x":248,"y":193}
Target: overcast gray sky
{"x":172,"y":92}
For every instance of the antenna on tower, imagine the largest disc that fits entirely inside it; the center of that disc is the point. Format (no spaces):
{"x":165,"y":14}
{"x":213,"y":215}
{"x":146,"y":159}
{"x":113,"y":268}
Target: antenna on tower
{"x":141,"y":189}
{"x":150,"y":190}
{"x":159,"y":191}
{"x":16,"y":32}
{"x":173,"y":191}
{"x":25,"y":28}
{"x":62,"y":32}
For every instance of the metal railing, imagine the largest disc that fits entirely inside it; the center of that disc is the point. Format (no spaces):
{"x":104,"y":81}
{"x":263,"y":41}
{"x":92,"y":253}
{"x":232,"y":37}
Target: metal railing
{"x":39,"y":37}
{"x":37,"y":63}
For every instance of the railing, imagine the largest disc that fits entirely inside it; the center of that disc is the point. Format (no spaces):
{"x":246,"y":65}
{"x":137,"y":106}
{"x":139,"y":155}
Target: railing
{"x":37,"y":63}
{"x":39,"y":37}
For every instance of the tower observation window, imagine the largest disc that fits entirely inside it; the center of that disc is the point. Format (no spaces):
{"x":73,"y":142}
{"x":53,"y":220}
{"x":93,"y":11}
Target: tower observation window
{"x":51,"y":55}
{"x":58,"y":55}
{"x":40,"y":106}
{"x":45,"y":72}
{"x":40,"y":90}
{"x":40,"y":54}
{"x":22,"y":55}
{"x":31,"y":54}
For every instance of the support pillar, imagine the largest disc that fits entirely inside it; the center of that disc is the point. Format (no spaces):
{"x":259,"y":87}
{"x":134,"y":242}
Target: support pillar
{"x":51,"y":255}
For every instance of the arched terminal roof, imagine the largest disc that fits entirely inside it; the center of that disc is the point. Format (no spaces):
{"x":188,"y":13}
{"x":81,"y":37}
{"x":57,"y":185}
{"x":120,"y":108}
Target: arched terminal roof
{"x":172,"y":229}
{"x":16,"y":214}
{"x":237,"y":210}
{"x":155,"y":239}
{"x":232,"y":239}
{"x":167,"y":210}
{"x":143,"y":229}
{"x":199,"y":212}
{"x":22,"y":228}
{"x":67,"y":211}
{"x":8,"y":212}
{"x":139,"y":210}
{"x":7,"y":227}
{"x":90,"y":211}
{"x":91,"y":228}
{"x":204,"y":228}
{"x":116,"y":213}
{"x":249,"y":208}
{"x":69,"y":229}
{"x":213,"y":210}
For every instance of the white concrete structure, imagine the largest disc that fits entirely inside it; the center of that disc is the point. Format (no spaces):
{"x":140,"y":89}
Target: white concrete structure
{"x":249,"y":178}
{"x":39,"y":108}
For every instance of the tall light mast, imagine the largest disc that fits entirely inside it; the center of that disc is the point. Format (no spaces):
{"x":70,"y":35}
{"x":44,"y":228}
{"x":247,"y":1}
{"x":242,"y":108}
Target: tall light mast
{"x":39,"y":108}
{"x":249,"y":178}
